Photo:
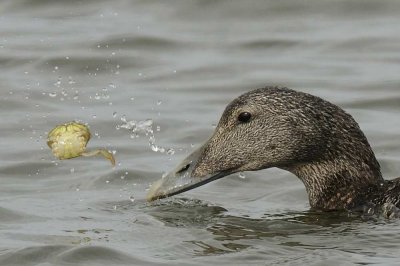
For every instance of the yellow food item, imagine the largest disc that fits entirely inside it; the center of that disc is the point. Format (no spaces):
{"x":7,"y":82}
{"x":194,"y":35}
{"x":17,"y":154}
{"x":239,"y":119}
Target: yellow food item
{"x":69,"y":141}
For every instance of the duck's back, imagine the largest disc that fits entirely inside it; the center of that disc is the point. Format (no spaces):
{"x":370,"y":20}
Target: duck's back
{"x":392,"y":192}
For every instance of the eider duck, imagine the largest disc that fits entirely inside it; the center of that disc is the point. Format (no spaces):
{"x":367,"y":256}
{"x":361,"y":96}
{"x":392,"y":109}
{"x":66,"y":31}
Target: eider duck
{"x":278,"y":127}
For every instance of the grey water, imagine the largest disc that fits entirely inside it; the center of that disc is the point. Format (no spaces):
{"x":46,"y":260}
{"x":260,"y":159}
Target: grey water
{"x":151,"y":79}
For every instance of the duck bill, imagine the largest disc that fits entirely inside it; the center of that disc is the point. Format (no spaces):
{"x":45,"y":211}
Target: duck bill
{"x":181,"y":179}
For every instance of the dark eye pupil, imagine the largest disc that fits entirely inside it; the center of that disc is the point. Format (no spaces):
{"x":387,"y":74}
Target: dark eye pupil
{"x":244,"y":117}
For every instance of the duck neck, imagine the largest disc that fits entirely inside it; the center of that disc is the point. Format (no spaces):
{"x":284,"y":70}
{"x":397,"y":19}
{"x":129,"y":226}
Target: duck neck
{"x":339,"y":183}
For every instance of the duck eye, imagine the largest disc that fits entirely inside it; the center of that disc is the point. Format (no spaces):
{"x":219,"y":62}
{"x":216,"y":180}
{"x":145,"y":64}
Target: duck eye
{"x":244,"y":117}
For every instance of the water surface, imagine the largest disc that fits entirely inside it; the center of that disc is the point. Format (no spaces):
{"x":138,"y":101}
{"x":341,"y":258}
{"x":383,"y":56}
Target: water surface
{"x":179,"y":63}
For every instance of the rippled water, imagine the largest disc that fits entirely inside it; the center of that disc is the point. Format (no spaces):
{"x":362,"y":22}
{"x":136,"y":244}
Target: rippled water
{"x":179,"y":63}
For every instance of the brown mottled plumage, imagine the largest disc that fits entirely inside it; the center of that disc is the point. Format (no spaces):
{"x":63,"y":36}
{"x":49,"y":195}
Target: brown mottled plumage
{"x":315,"y":140}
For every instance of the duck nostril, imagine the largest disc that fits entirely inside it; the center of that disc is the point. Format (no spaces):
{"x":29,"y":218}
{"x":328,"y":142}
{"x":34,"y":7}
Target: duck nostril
{"x":183,"y":169}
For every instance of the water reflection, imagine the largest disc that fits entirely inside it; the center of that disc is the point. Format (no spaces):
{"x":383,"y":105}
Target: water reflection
{"x":232,"y":233}
{"x":185,"y":212}
{"x":208,"y":249}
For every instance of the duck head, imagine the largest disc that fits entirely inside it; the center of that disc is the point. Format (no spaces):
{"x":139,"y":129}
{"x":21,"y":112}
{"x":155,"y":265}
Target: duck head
{"x":264,"y":128}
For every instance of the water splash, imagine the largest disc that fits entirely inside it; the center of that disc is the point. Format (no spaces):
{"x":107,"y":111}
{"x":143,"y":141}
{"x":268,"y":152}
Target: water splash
{"x":132,"y":198}
{"x":144,"y":127}
{"x":242,"y":175}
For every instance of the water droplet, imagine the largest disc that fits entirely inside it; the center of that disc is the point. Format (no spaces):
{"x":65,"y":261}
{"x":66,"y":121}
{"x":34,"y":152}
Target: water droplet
{"x":242,"y":175}
{"x":72,"y":170}
{"x":58,"y":82}
{"x":154,"y":148}
{"x":132,"y":198}
{"x":94,"y":116}
{"x":159,"y":102}
{"x":107,"y":181}
{"x":170,"y":151}
{"x":71,"y":81}
{"x":52,"y":94}
{"x":144,"y":127}
{"x":114,"y":114}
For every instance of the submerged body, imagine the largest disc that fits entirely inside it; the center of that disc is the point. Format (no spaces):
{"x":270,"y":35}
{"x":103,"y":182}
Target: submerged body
{"x":278,"y":127}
